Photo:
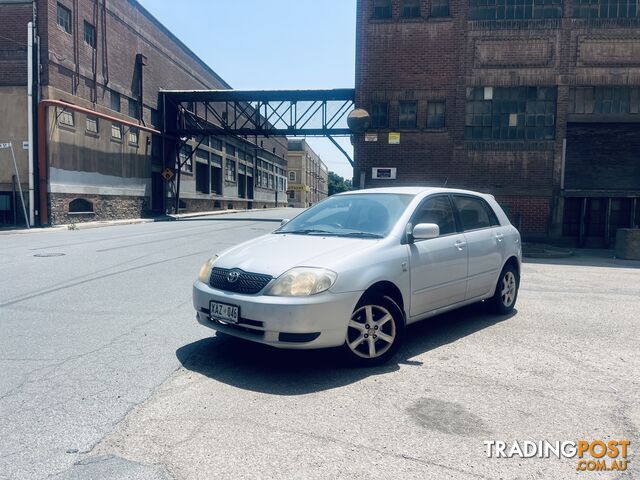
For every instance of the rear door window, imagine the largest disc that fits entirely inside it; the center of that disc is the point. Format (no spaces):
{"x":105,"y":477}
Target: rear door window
{"x":474,"y":213}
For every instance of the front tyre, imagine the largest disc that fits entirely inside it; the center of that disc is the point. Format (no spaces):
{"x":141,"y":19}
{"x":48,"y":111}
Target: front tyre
{"x":504,"y":300}
{"x":375,"y":331}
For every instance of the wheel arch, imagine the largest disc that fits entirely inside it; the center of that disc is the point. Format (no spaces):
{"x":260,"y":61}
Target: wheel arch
{"x":388,"y":289}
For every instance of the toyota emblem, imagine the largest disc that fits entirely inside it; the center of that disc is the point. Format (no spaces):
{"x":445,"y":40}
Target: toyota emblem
{"x":233,"y":277}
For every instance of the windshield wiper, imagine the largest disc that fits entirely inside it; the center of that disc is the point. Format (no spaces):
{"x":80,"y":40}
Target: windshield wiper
{"x":308,"y":231}
{"x":362,"y":235}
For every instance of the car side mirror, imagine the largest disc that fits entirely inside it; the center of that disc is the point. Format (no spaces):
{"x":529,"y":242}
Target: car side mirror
{"x":426,"y":231}
{"x":284,"y":222}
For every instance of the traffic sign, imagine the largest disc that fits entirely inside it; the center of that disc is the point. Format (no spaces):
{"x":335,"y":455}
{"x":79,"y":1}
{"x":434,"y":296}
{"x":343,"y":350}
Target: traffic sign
{"x":168,"y":174}
{"x":5,"y":145}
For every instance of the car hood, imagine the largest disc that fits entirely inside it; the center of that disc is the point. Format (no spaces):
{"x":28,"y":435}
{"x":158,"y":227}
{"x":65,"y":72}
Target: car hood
{"x":274,"y":254}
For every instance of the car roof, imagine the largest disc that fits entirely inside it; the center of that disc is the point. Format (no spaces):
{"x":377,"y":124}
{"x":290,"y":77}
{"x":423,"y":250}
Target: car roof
{"x":413,"y":191}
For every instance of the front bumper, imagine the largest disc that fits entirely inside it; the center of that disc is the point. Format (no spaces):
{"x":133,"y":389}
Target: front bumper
{"x":317,"y":321}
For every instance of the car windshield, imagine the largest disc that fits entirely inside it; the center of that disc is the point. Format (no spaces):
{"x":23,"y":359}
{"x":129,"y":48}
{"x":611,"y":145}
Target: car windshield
{"x":361,"y":215}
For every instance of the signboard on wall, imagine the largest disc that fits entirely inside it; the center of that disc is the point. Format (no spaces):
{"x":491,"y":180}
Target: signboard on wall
{"x":394,"y":138}
{"x":371,"y":137}
{"x":384,"y":173}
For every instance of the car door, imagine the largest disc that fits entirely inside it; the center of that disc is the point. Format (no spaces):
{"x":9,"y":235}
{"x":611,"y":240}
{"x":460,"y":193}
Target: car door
{"x":483,"y":237}
{"x":438,"y":265}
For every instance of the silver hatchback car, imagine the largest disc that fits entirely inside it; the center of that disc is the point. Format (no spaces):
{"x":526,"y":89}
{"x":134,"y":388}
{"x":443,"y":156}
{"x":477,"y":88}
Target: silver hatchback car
{"x":355,"y":269}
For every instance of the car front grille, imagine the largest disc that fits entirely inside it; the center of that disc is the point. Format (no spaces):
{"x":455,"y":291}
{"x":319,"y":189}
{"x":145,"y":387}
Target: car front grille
{"x":248,"y":283}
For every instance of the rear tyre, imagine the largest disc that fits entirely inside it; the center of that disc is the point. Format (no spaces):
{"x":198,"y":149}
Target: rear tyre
{"x":375,"y":331}
{"x":504,"y":300}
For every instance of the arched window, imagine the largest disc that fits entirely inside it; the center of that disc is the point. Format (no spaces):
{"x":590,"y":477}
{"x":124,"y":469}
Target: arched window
{"x":80,"y":205}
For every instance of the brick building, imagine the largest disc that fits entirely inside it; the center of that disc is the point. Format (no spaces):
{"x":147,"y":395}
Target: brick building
{"x":102,"y":67}
{"x":308,"y":175}
{"x":534,"y":101}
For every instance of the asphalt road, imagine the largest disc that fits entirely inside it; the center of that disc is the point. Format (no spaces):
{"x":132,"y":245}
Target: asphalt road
{"x":106,"y":375}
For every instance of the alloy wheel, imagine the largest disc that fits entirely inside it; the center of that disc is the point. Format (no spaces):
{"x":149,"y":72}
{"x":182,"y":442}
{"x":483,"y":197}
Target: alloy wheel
{"x":372,"y":331}
{"x":509,"y":286}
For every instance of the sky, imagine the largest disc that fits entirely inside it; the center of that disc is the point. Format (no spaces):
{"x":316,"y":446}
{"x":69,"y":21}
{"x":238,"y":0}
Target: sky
{"x":276,"y":44}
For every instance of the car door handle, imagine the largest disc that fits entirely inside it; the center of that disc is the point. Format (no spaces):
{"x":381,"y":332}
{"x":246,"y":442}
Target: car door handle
{"x":499,"y":236}
{"x":460,"y":245}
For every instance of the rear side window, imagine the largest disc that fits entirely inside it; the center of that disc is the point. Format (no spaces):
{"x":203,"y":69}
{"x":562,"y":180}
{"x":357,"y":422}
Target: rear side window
{"x":475,"y":213}
{"x":437,"y":210}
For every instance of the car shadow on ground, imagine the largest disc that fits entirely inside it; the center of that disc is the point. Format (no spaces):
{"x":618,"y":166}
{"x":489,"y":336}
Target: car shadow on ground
{"x":260,"y":368}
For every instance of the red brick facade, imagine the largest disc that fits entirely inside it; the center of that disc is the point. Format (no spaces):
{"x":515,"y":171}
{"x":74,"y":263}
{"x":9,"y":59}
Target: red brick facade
{"x":451,"y":58}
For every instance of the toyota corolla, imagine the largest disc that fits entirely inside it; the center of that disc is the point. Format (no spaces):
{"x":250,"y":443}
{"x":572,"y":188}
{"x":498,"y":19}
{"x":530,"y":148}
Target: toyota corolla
{"x":354,"y":270}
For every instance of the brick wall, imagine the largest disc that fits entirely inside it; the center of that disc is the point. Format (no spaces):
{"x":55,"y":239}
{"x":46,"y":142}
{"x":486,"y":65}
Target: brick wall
{"x":14,"y":18}
{"x":429,"y":59}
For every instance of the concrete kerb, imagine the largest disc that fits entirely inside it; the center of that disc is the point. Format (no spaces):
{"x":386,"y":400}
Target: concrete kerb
{"x":132,"y":221}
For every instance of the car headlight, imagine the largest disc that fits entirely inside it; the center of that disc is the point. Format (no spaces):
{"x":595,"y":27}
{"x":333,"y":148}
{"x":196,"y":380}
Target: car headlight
{"x":205,"y":270}
{"x":302,"y":282}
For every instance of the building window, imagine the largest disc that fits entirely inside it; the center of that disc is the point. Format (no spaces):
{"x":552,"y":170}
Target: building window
{"x":230,"y":149}
{"x":411,"y":8}
{"x":92,"y":124}
{"x":90,"y":34}
{"x":134,"y":108}
{"x":605,"y":8}
{"x":134,"y":136}
{"x":216,"y":144}
{"x":436,"y":115}
{"x":408,"y":115}
{"x":80,"y":206}
{"x":510,"y":113}
{"x":64,"y":18}
{"x":116,"y":131}
{"x":381,"y":8}
{"x":380,"y":115}
{"x":202,"y":172}
{"x":514,"y":9}
{"x":271,"y":186}
{"x":604,"y":100}
{"x":292,"y":176}
{"x":186,"y":159}
{"x":65,"y":117}
{"x":440,"y":8}
{"x":115,"y":101}
{"x":155,"y":118}
{"x":292,"y":195}
{"x":230,"y":173}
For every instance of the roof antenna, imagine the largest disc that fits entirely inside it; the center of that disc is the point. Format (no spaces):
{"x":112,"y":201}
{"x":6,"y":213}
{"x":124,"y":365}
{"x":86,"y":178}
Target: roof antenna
{"x":445,"y":182}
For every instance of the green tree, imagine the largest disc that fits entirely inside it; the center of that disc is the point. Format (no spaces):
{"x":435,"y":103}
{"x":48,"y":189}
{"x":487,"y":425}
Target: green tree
{"x":337,"y":184}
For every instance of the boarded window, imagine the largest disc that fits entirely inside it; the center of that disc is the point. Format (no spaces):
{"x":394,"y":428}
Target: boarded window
{"x":510,"y":113}
{"x":92,"y":124}
{"x":116,"y":131}
{"x":65,"y":117}
{"x":230,"y":173}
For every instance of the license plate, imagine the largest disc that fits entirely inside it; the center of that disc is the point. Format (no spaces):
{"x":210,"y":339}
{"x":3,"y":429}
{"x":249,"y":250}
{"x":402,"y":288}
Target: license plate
{"x":224,"y":313}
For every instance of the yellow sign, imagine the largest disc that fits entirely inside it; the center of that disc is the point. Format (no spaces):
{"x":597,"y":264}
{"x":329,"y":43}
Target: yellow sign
{"x":167,"y":174}
{"x":394,"y":138}
{"x":296,"y":187}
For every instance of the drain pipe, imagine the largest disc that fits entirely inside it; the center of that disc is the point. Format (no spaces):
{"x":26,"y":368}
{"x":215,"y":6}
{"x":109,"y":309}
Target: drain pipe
{"x":30,"y":121}
{"x":42,"y":147}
